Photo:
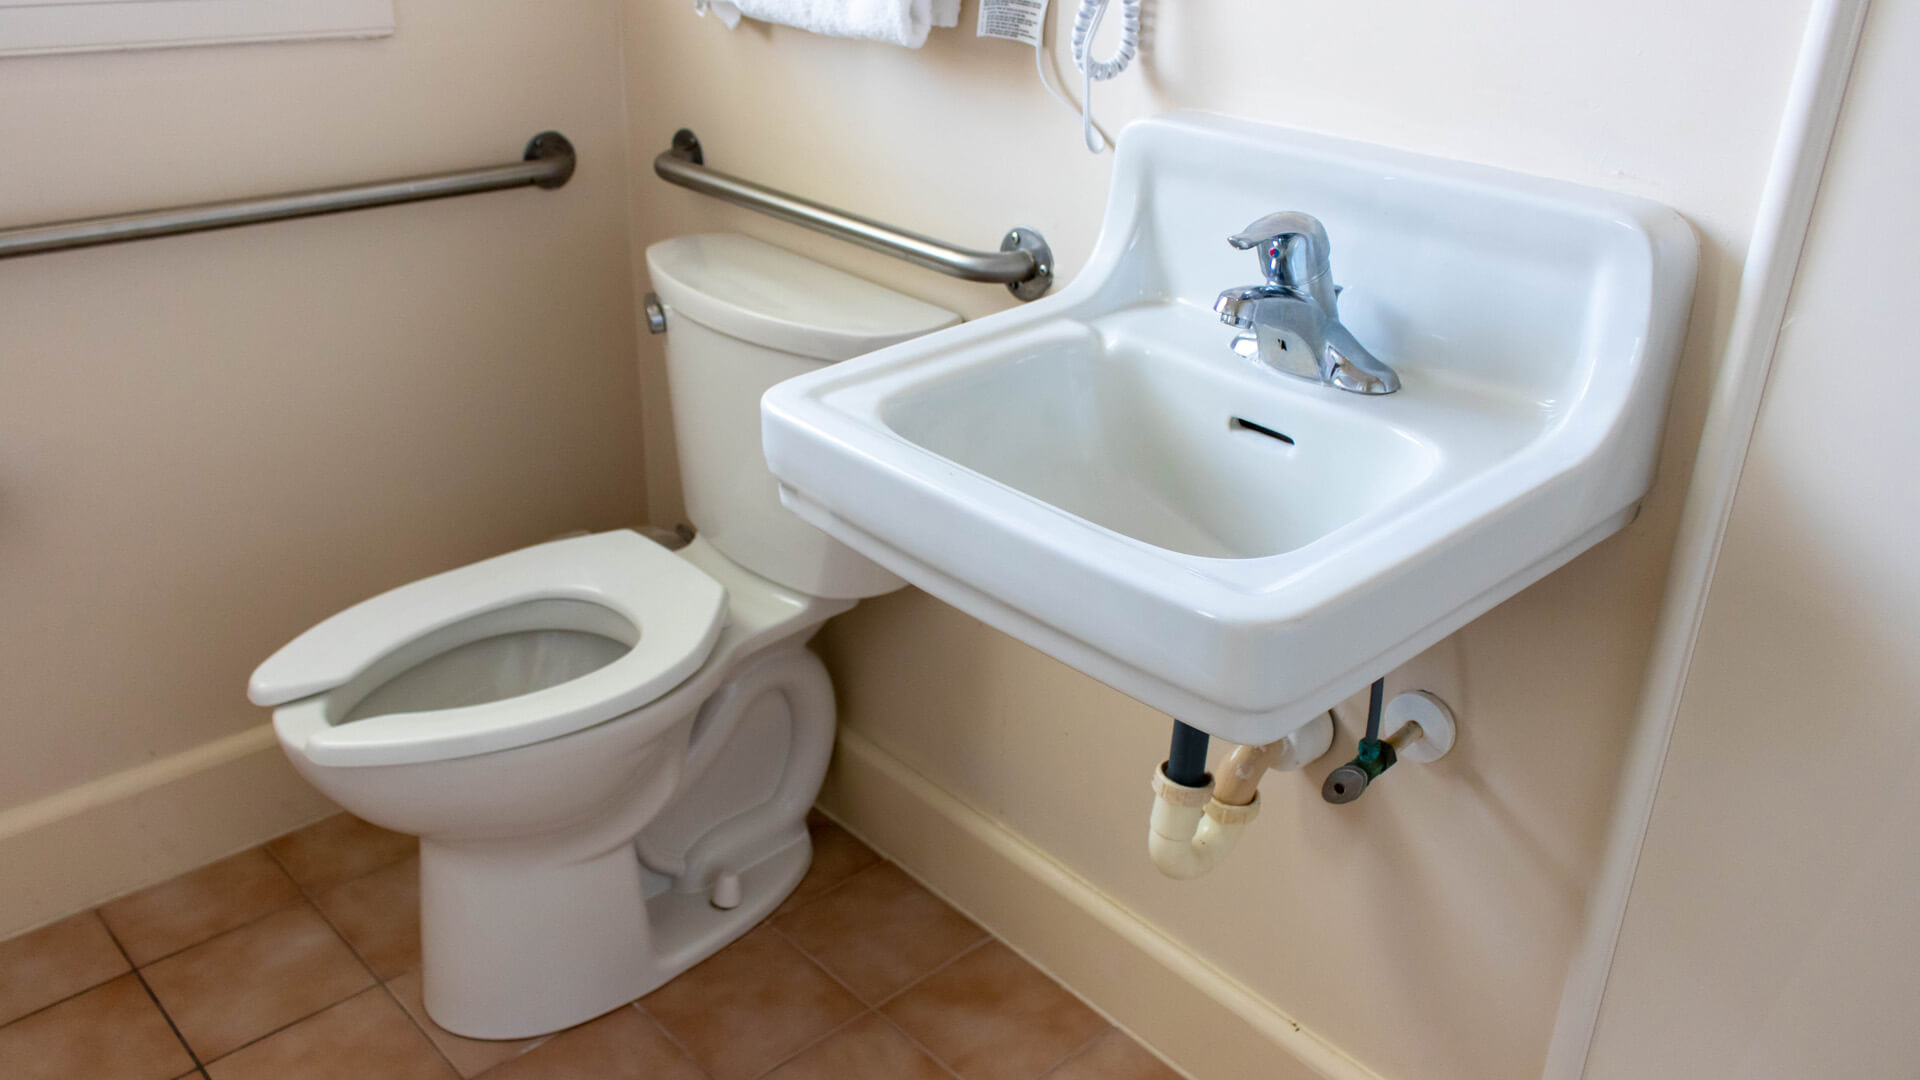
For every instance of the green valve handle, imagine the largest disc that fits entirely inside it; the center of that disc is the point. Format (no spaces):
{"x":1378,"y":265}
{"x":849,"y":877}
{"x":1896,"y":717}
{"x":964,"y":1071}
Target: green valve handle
{"x":1423,"y":733}
{"x":1349,"y":781}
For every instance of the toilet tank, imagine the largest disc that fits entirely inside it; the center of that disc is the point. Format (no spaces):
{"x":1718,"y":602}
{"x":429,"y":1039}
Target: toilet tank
{"x":741,"y":316}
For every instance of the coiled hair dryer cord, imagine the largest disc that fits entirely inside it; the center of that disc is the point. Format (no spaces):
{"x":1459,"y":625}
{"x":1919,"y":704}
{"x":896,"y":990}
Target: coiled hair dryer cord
{"x":1086,"y":23}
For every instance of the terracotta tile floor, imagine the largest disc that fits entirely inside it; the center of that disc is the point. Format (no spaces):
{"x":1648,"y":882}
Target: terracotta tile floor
{"x":300,"y":961}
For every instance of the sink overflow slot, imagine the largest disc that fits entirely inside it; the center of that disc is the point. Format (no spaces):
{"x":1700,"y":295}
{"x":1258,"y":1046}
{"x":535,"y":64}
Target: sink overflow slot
{"x":1242,"y":424}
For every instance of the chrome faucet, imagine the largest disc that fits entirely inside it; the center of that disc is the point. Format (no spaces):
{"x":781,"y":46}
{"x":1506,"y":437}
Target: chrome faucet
{"x":1292,"y":322}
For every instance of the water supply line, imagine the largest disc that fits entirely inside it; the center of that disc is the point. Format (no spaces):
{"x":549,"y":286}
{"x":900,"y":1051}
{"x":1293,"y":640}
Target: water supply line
{"x":1349,"y":781}
{"x":1196,"y":821}
{"x":1423,"y":732}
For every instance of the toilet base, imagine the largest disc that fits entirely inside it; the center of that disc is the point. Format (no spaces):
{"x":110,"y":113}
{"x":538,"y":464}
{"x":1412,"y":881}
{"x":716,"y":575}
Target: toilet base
{"x":571,"y":942}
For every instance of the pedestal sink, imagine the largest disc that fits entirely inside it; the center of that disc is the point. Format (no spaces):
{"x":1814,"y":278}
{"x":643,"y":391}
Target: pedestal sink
{"x":1101,"y":476}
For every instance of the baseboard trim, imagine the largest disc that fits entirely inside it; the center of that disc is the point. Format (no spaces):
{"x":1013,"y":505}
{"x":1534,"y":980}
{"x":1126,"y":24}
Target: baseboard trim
{"x":80,"y":847}
{"x":1202,"y":1020}
{"x":129,"y":783}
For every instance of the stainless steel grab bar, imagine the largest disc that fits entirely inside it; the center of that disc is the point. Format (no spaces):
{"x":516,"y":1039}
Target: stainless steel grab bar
{"x":1024,"y":263}
{"x":547,"y":163}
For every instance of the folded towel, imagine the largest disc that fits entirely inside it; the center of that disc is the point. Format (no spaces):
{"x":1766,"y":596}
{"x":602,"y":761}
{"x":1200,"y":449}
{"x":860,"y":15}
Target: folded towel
{"x":726,"y":12}
{"x":902,"y":22}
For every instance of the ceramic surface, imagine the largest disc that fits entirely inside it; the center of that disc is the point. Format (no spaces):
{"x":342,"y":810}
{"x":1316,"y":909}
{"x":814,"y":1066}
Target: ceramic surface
{"x":1090,"y":473}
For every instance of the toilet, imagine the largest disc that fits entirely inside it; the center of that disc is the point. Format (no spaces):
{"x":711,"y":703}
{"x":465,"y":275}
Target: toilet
{"x":607,"y":748}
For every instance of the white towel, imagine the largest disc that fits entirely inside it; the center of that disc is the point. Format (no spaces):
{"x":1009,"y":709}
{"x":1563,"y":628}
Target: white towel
{"x":902,"y":22}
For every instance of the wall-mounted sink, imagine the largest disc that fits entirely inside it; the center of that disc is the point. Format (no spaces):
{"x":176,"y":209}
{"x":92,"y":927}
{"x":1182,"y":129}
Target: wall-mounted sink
{"x":1100,"y":475}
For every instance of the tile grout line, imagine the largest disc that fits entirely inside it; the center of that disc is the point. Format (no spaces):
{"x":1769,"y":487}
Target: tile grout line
{"x":307,"y":899}
{"x":991,"y":936}
{"x":1077,"y":1051}
{"x":944,"y":898}
{"x":828,"y":891}
{"x":865,"y":1009}
{"x":823,"y":1037}
{"x":70,"y":997}
{"x":305,"y":896}
{"x":898,"y":994}
{"x":670,"y":1036}
{"x":131,"y":967}
{"x":875,"y":1008}
{"x":99,"y":911}
{"x":231,"y":929}
{"x":301,"y":887}
{"x":268,"y":1035}
{"x":192,"y":1054}
{"x":342,"y":938}
{"x":917,"y":1044}
{"x":842,"y":983}
{"x":313,"y":902}
{"x":347,"y":941}
{"x":986,"y":937}
{"x":768,"y":922}
{"x":956,"y":958}
{"x":134,"y":969}
{"x":434,"y":1046}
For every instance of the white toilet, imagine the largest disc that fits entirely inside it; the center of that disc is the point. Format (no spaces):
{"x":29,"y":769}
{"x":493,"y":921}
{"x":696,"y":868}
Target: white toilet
{"x":607,"y":748}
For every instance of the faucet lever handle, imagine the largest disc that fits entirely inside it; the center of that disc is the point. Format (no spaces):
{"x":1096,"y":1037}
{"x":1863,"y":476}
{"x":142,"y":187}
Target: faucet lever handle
{"x":1274,"y":226}
{"x":1274,"y":236}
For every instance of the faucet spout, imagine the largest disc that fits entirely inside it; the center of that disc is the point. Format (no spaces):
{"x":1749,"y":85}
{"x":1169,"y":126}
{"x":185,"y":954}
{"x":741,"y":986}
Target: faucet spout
{"x":1291,"y":322}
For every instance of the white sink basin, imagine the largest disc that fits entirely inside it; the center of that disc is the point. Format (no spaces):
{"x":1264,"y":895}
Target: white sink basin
{"x":1146,"y":426}
{"x":1099,"y":475}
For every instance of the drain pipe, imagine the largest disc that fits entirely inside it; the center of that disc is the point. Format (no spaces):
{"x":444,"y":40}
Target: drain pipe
{"x":1196,"y":822}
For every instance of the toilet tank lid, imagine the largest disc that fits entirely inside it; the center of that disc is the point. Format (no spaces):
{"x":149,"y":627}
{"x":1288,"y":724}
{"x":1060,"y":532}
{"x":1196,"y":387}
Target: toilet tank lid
{"x":769,"y":296}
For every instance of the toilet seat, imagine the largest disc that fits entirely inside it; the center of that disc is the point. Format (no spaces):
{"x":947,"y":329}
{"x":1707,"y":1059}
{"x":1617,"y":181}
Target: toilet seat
{"x":633,"y":589}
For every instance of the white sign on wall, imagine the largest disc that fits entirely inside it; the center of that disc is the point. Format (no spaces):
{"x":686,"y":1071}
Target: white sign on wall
{"x":30,"y":27}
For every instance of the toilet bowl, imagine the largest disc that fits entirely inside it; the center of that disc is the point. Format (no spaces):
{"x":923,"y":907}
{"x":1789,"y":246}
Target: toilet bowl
{"x":607,"y":748}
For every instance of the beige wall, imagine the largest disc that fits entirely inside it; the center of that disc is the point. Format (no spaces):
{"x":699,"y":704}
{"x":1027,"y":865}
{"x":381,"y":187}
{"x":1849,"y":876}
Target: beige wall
{"x":208,"y":443}
{"x":1771,"y":930}
{"x":1425,"y":930}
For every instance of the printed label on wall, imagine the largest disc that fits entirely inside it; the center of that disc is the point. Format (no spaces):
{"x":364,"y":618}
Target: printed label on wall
{"x":1014,"y":20}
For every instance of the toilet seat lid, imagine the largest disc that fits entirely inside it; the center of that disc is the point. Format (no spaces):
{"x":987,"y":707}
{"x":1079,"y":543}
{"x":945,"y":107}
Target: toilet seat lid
{"x":677,"y":609}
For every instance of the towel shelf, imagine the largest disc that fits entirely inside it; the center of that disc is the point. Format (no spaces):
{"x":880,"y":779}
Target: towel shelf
{"x":1024,"y":263}
{"x":547,"y":163}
